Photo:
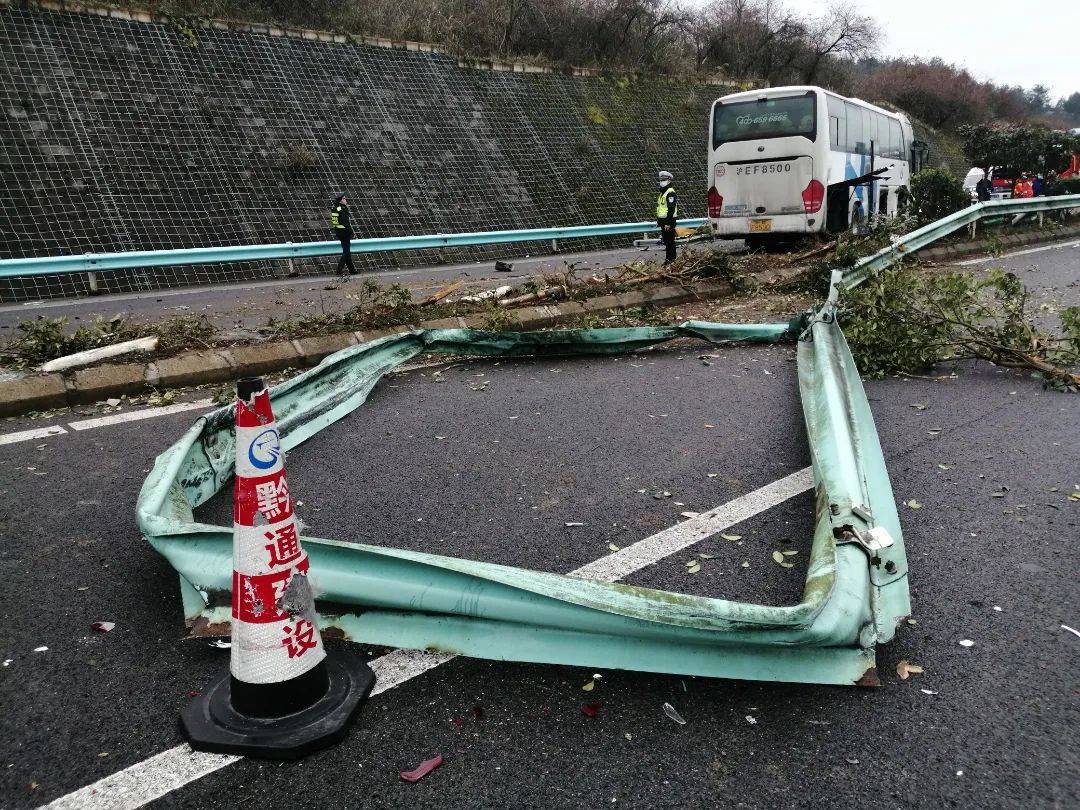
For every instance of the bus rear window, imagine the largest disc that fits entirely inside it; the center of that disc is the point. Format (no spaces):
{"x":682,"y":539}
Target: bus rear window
{"x":768,"y":118}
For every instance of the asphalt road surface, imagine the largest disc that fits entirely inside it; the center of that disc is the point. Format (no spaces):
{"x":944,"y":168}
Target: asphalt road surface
{"x":988,"y":455}
{"x":249,"y":305}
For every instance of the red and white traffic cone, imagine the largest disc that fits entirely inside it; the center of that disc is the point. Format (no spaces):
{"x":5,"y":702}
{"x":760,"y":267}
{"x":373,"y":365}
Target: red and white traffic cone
{"x":285,"y":696}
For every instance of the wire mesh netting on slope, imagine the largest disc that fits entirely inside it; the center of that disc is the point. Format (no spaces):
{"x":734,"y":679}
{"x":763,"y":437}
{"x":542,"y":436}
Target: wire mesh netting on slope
{"x":119,"y":135}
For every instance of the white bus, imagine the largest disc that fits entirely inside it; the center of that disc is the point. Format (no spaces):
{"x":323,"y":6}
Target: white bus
{"x":793,"y":160}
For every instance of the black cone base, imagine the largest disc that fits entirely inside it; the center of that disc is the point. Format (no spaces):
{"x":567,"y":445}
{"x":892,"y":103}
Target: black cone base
{"x":212,"y":724}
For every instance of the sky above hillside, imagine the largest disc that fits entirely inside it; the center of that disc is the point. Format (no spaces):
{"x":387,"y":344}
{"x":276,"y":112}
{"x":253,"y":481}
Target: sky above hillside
{"x":1009,"y":43}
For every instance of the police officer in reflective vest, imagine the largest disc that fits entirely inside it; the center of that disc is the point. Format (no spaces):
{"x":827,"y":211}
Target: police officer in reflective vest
{"x":339,"y":224}
{"x":667,"y":211}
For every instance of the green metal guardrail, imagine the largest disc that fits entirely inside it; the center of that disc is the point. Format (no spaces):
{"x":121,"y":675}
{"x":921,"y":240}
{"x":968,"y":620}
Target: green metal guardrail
{"x":95,"y":262}
{"x":943,"y":227}
{"x":856,"y":588}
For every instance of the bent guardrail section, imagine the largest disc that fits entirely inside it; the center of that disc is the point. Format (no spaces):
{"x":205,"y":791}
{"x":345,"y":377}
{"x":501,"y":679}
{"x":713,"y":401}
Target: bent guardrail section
{"x":96,"y":262}
{"x":852,"y":599}
{"x":928,"y":234}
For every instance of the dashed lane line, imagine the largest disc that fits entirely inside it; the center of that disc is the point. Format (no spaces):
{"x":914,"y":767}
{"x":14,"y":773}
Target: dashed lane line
{"x":170,"y":770}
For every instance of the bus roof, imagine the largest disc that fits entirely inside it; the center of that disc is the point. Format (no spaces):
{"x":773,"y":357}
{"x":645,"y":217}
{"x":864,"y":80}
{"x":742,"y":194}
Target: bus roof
{"x":799,"y":89}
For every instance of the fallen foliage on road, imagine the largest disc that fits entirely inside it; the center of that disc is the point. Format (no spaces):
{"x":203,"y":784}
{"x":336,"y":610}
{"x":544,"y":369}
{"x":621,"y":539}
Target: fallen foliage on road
{"x":903,"y":321}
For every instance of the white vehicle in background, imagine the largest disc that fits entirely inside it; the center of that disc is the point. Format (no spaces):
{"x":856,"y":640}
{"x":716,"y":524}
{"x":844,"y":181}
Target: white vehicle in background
{"x":793,"y":160}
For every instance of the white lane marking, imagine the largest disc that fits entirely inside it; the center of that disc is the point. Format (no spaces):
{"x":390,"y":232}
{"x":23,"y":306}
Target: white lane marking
{"x":1058,"y":245}
{"x":27,"y":435}
{"x":645,"y":552}
{"x":145,"y":413}
{"x":153,"y":778}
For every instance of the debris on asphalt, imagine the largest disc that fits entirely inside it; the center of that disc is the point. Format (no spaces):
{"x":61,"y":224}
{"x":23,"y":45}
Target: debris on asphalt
{"x":591,"y":709}
{"x":221,"y":645}
{"x":41,"y":649}
{"x":669,"y":710}
{"x":689,"y":514}
{"x":574,"y":523}
{"x":660,"y":495}
{"x":732,"y":537}
{"x":780,"y":558}
{"x":928,"y":691}
{"x":589,"y":686}
{"x":905,"y":669}
{"x":751,"y":719}
{"x":103,"y":627}
{"x":966,"y":642}
{"x":913,"y":504}
{"x":1070,"y":629}
{"x":693,"y":566}
{"x":612,"y":547}
{"x":422,"y":770}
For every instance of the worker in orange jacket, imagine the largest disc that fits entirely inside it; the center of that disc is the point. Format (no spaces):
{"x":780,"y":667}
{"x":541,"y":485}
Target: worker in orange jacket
{"x":1023,"y":188}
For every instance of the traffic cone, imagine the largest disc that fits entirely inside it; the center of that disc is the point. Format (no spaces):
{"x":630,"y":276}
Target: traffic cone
{"x":285,"y":695}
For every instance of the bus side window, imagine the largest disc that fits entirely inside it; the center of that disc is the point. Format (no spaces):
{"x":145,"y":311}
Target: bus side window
{"x":896,"y":141}
{"x":854,"y":129}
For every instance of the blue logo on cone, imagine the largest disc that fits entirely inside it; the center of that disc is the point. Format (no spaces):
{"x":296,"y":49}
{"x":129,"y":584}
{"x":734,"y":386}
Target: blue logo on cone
{"x":264,"y":450}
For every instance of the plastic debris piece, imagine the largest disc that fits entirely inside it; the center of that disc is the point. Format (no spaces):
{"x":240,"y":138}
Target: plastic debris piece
{"x":7,"y":662}
{"x":928,"y":691}
{"x":851,"y":761}
{"x":103,"y":627}
{"x":751,"y":719}
{"x":591,"y":709}
{"x":41,"y":649}
{"x":574,"y":523}
{"x":422,"y":770}
{"x":221,"y":645}
{"x":1065,"y":627}
{"x":689,"y":514}
{"x":669,"y":710}
{"x":966,"y":642}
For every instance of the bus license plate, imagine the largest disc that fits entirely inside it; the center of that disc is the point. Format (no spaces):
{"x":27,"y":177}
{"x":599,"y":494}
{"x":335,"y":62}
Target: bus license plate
{"x":760,"y":225}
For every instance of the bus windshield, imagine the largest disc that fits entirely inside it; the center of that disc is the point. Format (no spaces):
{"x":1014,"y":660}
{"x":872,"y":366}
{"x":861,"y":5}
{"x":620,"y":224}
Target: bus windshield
{"x":766,"y":118}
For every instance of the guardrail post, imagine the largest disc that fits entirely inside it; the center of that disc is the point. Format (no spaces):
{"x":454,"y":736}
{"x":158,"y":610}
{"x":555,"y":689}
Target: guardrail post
{"x":91,"y":279}
{"x":1040,"y":219}
{"x":554,"y":245}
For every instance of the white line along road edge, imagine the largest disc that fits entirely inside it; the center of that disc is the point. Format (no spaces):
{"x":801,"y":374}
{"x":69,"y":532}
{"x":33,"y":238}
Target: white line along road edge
{"x":1040,"y":249}
{"x":170,"y":770}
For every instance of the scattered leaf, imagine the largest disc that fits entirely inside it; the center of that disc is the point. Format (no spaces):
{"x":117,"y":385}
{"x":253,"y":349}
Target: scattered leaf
{"x":778,"y":556}
{"x":732,"y":537}
{"x":669,"y":710}
{"x":422,"y":770}
{"x":103,"y":627}
{"x":914,"y":504}
{"x":906,"y":668}
{"x":689,"y":514}
{"x":591,"y":709}
{"x":589,"y":686}
{"x":1074,"y":496}
{"x":944,"y":466}
{"x":707,"y":556}
{"x":745,"y":563}
{"x":712,"y":475}
{"x":612,"y":546}
{"x":912,"y":622}
{"x":628,"y":735}
{"x":789,"y":552}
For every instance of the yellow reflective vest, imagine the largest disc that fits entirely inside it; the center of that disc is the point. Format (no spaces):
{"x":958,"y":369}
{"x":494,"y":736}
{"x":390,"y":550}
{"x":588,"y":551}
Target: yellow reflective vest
{"x":662,"y":205}
{"x":335,"y":217}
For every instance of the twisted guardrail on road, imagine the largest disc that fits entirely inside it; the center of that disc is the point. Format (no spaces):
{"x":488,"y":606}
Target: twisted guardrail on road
{"x":135,"y":259}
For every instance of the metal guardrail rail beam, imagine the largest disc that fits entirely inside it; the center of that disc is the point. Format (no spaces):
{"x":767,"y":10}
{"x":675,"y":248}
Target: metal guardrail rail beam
{"x":928,"y":234}
{"x":96,"y":262}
